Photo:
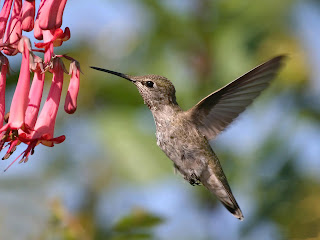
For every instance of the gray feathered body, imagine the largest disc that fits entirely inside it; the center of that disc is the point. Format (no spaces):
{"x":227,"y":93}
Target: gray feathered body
{"x":192,"y":155}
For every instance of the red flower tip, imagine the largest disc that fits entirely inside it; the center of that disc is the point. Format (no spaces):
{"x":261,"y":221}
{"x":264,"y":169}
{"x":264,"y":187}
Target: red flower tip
{"x":52,"y":39}
{"x":56,"y":37}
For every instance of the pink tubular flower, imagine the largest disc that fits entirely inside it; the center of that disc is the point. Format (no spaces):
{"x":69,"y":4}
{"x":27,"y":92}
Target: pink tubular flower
{"x":70,"y":104}
{"x":20,"y":97}
{"x":24,"y":123}
{"x":37,"y":30}
{"x":35,"y":94}
{"x":50,"y":14}
{"x":44,"y":127}
{"x":4,"y":15}
{"x":27,"y":15}
{"x":4,"y":65}
{"x":14,"y":31}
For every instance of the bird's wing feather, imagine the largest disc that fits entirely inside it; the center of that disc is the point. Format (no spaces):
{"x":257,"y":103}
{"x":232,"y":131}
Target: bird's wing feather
{"x":216,"y":111}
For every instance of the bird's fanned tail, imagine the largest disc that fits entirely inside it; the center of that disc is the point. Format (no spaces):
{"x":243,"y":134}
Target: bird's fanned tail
{"x":216,"y":182}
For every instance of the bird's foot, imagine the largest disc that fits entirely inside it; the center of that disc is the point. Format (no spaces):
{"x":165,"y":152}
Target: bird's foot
{"x":193,"y":180}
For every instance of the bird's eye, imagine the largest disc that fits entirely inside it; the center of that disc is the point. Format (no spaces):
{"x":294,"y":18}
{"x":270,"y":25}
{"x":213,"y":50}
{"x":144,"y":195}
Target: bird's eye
{"x":149,"y":84}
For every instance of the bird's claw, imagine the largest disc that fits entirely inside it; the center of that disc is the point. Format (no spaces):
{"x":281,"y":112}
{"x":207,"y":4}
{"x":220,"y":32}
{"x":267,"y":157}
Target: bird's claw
{"x":193,"y":180}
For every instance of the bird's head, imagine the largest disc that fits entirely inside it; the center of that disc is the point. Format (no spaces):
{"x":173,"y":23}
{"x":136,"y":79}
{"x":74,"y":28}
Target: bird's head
{"x":155,"y":90}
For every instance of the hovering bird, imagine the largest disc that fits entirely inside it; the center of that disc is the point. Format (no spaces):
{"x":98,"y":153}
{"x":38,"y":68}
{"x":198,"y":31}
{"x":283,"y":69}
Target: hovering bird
{"x":184,"y":135}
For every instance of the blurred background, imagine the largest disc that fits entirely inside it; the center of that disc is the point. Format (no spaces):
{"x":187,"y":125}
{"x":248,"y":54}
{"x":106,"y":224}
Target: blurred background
{"x":109,"y":180}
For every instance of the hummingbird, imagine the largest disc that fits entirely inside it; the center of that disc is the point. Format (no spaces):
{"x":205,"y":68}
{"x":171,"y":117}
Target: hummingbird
{"x":184,"y":135}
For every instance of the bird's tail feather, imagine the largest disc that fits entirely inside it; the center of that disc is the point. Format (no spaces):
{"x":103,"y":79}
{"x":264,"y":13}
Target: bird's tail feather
{"x":215,"y":181}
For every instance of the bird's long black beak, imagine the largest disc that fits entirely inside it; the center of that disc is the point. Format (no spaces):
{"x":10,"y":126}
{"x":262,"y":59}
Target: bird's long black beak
{"x":114,"y":73}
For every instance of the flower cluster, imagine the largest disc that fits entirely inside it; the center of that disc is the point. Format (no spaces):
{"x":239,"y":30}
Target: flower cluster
{"x":24,"y":123}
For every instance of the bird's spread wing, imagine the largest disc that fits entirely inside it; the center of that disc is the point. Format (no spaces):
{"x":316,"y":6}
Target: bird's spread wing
{"x":215,"y":112}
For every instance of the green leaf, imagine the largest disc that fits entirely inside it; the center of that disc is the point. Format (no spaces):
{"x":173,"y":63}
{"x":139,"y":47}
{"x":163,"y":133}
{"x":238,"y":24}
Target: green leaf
{"x":138,"y":220}
{"x":132,"y":236}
